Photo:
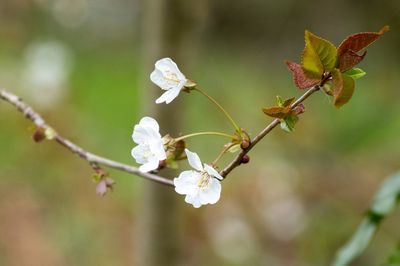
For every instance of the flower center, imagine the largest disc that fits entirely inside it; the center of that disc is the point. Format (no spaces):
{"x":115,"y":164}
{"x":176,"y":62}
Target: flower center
{"x":205,"y":179}
{"x":171,"y":77}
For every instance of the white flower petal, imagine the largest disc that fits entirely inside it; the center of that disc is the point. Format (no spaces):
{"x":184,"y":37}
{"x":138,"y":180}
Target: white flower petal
{"x":157,"y":78}
{"x":151,"y":165}
{"x":167,"y":64}
{"x":172,"y":94}
{"x":194,"y":160}
{"x":139,"y":134}
{"x":149,"y":122}
{"x":138,"y":152}
{"x":194,"y":200}
{"x":146,"y":129}
{"x":151,"y":148}
{"x":212,"y":172}
{"x":157,"y":148}
{"x":186,"y":182}
{"x":169,"y":95}
{"x":168,"y":77}
{"x":211,"y":193}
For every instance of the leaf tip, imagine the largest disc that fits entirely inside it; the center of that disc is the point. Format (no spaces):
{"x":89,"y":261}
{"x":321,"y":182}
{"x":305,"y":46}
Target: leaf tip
{"x":385,"y":29}
{"x":307,"y":34}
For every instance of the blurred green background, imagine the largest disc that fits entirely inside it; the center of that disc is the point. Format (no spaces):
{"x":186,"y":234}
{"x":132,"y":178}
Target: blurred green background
{"x":80,"y":63}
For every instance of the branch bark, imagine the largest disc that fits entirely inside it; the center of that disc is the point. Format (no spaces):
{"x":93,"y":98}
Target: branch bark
{"x":91,"y":158}
{"x":237,"y":160}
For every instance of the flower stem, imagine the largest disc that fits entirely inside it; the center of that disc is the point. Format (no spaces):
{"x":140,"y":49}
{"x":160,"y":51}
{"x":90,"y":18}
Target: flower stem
{"x":205,"y":133}
{"x":224,"y":150}
{"x":220,"y":107}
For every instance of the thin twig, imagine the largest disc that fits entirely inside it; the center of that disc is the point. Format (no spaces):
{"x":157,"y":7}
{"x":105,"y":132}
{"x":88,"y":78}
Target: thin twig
{"x":91,"y":158}
{"x":238,"y":159}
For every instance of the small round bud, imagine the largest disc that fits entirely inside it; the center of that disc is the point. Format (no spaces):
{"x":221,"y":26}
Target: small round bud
{"x":38,"y":135}
{"x":245,"y":144}
{"x":162,"y":164}
{"x":299,"y":109}
{"x":245,"y":159}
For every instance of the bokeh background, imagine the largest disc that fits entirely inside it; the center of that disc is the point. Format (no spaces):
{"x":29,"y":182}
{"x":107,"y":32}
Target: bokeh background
{"x":84,"y":64}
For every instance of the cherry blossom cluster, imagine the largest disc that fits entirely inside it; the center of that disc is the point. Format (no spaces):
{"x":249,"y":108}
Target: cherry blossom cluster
{"x":153,"y":152}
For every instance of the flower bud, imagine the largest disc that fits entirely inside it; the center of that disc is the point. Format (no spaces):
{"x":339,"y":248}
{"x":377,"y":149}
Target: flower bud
{"x":245,"y":139}
{"x":162,"y":164}
{"x":245,"y":144}
{"x":174,"y":149}
{"x":299,"y":109}
{"x":104,"y":185}
{"x":39,"y":135}
{"x":245,"y":159}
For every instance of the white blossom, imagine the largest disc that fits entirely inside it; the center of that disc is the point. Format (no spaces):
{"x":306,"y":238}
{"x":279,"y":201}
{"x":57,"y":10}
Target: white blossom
{"x":168,"y":77}
{"x":201,"y":186}
{"x":150,"y":149}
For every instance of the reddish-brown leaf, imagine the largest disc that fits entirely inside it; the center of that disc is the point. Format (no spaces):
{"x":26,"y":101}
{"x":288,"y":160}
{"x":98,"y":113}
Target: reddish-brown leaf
{"x":359,"y":41}
{"x":277,"y":112}
{"x":301,"y":80}
{"x":350,"y":59}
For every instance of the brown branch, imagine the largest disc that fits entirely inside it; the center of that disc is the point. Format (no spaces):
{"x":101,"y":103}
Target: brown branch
{"x":238,"y":159}
{"x":91,"y":158}
{"x":94,"y":159}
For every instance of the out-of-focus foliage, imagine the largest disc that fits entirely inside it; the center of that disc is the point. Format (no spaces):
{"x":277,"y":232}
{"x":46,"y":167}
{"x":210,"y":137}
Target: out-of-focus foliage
{"x":394,"y":259}
{"x":385,"y":201}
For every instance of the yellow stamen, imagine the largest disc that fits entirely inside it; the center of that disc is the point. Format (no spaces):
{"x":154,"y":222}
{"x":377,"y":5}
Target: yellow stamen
{"x":204,"y":181}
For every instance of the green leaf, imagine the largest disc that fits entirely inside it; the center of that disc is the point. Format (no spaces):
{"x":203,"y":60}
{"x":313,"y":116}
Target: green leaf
{"x":386,"y":198}
{"x":279,"y":101}
{"x":343,"y":88}
{"x":234,"y":148}
{"x":394,"y":259}
{"x":97,"y":177}
{"x":355,"y":73}
{"x":172,"y":164}
{"x":357,"y":243}
{"x":319,"y":55}
{"x":288,"y":102}
{"x":384,"y":202}
{"x":289,"y":122}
